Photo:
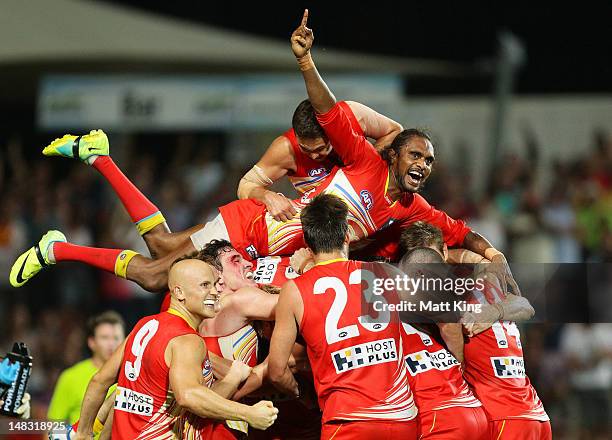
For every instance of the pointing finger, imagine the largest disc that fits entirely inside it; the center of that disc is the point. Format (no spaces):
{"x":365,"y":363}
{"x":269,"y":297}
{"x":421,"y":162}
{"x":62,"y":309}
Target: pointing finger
{"x":304,"y":18}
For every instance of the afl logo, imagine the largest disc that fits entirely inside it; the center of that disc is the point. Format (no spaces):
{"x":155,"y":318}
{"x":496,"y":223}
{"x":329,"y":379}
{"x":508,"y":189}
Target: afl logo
{"x":316,"y":172}
{"x":366,"y":199}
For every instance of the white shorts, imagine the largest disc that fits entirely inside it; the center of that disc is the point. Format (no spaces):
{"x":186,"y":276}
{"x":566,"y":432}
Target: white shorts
{"x":214,"y":229}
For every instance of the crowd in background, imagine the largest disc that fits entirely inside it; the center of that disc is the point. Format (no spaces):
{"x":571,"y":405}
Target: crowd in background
{"x":567,"y":220}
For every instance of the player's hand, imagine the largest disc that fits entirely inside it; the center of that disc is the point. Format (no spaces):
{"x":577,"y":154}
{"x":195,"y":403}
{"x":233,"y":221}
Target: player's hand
{"x":239,"y":370}
{"x":279,"y":206}
{"x":300,"y":259}
{"x":262,"y":415}
{"x":475,"y":323}
{"x":501,"y":269}
{"x":302,"y":38}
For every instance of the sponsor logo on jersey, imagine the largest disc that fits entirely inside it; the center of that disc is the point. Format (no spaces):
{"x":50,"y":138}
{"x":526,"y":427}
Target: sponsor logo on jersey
{"x":252,"y":251}
{"x":422,"y":361}
{"x":266,"y":269}
{"x":508,"y":367}
{"x":133,"y":402}
{"x":315,"y":172}
{"x":306,"y":196}
{"x":366,"y":199}
{"x":363,"y":355}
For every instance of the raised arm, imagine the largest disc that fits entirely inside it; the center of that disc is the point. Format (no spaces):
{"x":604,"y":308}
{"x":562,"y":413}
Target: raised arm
{"x":320,"y":96}
{"x":277,"y":161}
{"x":96,"y":393}
{"x":283,"y":337}
{"x":374,"y":125}
{"x":186,"y":355}
{"x":350,"y":146}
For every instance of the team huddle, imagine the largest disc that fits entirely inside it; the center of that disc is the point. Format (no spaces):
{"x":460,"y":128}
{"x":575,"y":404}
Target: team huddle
{"x":263,"y":331}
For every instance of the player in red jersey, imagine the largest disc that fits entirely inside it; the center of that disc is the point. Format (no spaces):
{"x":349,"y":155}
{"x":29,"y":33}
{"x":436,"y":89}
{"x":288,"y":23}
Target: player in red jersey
{"x":379,"y":193}
{"x":304,"y":154}
{"x":433,"y":352}
{"x":162,"y":368}
{"x":359,"y":372}
{"x":493,"y":356}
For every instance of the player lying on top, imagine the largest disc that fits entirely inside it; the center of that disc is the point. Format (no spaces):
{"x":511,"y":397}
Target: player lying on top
{"x":305,"y":155}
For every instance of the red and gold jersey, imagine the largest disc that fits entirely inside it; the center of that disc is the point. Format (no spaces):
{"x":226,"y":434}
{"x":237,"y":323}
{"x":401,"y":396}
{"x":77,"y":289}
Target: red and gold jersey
{"x":240,"y":345}
{"x":495,"y":368}
{"x":434,"y":373}
{"x":362,"y":183}
{"x":144,"y":405}
{"x":357,"y":360}
{"x":309,"y":173}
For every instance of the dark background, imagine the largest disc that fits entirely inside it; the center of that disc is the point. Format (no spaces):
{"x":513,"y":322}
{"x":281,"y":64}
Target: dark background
{"x":568,"y":43}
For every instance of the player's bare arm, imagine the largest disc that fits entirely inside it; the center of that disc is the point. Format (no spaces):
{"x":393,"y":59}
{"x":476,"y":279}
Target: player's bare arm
{"x":283,"y":338}
{"x":319,"y":94}
{"x":452,"y":333}
{"x":254,"y":381}
{"x":512,"y":308}
{"x":463,"y":256}
{"x":108,"y":426}
{"x":374,"y":125}
{"x":475,"y":242}
{"x":185,"y":356}
{"x":252,"y":303}
{"x":277,"y":161}
{"x":221,"y":367}
{"x":237,"y":373}
{"x":96,"y":393}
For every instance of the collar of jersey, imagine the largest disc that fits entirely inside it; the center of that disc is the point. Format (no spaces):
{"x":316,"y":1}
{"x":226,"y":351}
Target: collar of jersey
{"x":387,"y":187}
{"x":180,"y":315}
{"x":335,"y":260}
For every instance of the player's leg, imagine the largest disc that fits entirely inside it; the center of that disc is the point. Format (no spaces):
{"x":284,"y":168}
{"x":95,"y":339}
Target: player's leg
{"x":152,"y":275}
{"x":93,"y":149}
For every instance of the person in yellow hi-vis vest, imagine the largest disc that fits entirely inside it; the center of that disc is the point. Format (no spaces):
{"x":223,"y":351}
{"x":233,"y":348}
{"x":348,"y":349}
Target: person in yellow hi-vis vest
{"x":105,"y":332}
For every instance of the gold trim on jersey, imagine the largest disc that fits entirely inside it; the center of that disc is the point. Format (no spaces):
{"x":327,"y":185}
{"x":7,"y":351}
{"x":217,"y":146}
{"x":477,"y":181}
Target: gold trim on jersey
{"x":180,"y":315}
{"x":334,"y":260}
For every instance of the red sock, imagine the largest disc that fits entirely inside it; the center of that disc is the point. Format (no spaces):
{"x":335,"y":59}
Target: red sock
{"x":101,"y":258}
{"x":135,"y":202}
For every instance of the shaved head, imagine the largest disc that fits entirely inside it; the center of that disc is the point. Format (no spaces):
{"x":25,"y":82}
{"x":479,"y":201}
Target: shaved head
{"x":192,"y":285}
{"x":186,"y":271}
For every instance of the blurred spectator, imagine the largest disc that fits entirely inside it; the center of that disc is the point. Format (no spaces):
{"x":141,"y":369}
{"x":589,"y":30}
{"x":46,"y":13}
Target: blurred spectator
{"x":588,"y":352}
{"x":105,"y":332}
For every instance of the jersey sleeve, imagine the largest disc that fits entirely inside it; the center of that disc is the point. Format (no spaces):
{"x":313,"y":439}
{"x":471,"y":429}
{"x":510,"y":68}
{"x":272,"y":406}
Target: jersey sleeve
{"x":350,"y":145}
{"x":454,"y":231}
